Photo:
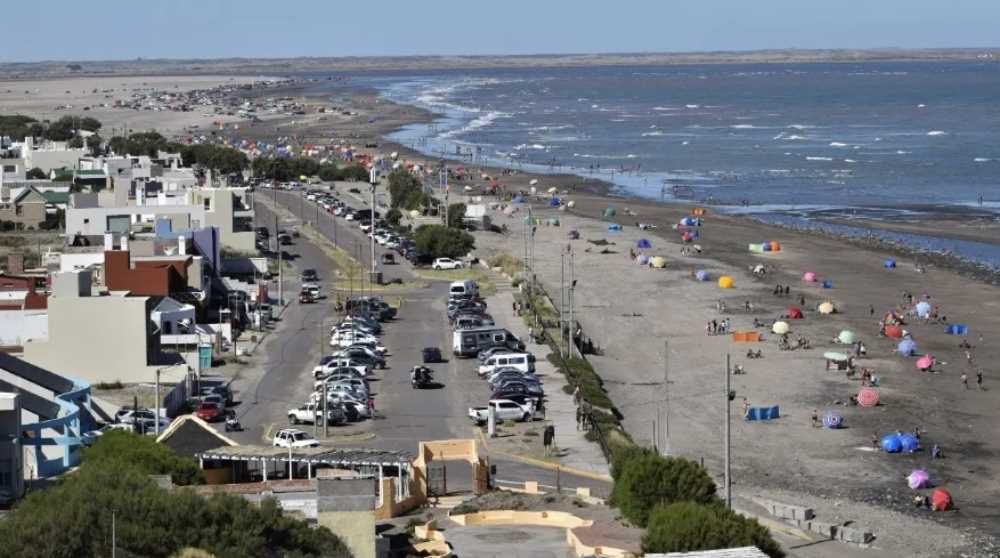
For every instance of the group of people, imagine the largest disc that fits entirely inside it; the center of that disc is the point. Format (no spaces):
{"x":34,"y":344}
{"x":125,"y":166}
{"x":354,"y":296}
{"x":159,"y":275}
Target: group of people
{"x":716,"y":327}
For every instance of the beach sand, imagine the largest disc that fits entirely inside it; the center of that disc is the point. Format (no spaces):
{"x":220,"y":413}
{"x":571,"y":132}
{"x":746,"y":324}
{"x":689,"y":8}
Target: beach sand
{"x":40,"y":99}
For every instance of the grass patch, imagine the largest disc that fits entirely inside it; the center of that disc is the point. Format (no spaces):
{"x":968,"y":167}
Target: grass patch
{"x":486,"y":285}
{"x":109,"y":385}
{"x":507,"y":263}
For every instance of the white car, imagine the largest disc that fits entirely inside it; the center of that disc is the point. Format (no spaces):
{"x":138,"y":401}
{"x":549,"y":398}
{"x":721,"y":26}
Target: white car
{"x":446,"y":263}
{"x":292,"y":438}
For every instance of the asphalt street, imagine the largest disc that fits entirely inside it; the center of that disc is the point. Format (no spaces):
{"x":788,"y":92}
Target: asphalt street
{"x":404,"y":416}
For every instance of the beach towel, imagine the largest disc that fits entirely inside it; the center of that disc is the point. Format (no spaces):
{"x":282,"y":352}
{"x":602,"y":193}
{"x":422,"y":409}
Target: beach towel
{"x":763,"y":413}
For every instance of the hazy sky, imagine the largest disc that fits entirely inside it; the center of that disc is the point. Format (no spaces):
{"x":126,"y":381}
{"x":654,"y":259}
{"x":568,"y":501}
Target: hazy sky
{"x":125,"y":29}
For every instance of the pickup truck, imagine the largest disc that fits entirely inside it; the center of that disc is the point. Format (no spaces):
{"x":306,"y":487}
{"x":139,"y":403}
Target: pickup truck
{"x":306,"y":414}
{"x":505,"y":410}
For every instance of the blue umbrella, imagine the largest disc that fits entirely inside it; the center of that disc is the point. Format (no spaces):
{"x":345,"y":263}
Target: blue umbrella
{"x":643,"y":243}
{"x":702,"y":275}
{"x":907,"y":347}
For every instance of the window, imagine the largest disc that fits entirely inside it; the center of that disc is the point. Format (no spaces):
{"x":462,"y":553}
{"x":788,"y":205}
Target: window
{"x":9,"y":168}
{"x":208,"y":204}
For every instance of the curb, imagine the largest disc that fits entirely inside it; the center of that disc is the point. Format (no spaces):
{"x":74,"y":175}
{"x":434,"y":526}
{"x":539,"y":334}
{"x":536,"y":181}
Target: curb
{"x":542,"y":464}
{"x":776,"y":525}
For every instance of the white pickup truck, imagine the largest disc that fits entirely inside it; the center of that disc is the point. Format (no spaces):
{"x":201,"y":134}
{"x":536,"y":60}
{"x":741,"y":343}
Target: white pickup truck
{"x":505,"y":410}
{"x":306,"y":414}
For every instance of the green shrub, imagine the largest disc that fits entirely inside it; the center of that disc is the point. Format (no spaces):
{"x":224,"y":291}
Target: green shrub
{"x":119,"y":448}
{"x":687,"y":526}
{"x":441,"y":242}
{"x":646,"y":480}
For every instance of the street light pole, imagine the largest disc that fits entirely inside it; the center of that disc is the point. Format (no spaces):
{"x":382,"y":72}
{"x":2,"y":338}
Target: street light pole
{"x":728,"y":479}
{"x":156,"y":394}
{"x":371,"y":232}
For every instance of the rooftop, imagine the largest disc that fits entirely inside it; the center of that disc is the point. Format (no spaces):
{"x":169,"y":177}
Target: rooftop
{"x":316,"y":456}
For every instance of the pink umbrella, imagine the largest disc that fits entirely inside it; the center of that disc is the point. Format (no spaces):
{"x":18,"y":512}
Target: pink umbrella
{"x":925,"y":362}
{"x":809,"y":277}
{"x":919,"y":478}
{"x":868,"y":397}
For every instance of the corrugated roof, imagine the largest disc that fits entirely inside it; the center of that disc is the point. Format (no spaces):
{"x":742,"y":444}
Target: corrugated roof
{"x":318,"y":455}
{"x":56,"y":197}
{"x":48,"y":380}
{"x":38,"y":405}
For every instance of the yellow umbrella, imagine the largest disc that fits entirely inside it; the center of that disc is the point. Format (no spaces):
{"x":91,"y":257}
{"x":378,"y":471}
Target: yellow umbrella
{"x":726,"y":282}
{"x":780,"y":328}
{"x":658,"y":262}
{"x":826,"y":308}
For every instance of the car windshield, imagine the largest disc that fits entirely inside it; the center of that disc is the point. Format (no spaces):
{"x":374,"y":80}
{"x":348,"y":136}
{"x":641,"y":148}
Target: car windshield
{"x":298,"y":436}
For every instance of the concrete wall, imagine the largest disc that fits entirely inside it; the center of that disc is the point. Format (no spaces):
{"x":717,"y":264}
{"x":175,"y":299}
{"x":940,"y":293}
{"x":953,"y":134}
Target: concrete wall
{"x":72,"y":262}
{"x":345,"y":506}
{"x":48,"y":160}
{"x":18,"y":325}
{"x":355,"y":528}
{"x":99,"y":339}
{"x":11,"y":451}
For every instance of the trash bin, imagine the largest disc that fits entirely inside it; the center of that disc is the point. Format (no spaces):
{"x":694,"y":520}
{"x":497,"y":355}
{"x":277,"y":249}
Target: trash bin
{"x":205,"y":356}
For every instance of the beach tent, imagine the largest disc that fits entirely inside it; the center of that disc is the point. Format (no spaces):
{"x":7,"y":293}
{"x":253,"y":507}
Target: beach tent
{"x":766,"y":246}
{"x":756,"y":248}
{"x":890,"y":264}
{"x":957,"y":329}
{"x":643,"y":243}
{"x":532,"y":182}
{"x":833,"y":419}
{"x":775,"y":247}
{"x":762,"y":413}
{"x":834,"y":356}
{"x":554,"y":202}
{"x":919,"y":478}
{"x":826,"y":308}
{"x":809,"y":277}
{"x":941,"y":500}
{"x":868,"y":397}
{"x":780,"y":328}
{"x":909,"y":442}
{"x":518,"y":199}
{"x":658,"y":262}
{"x":571,"y":204}
{"x":907,"y":347}
{"x":552,"y":190}
{"x":702,"y":275}
{"x":794,"y":313}
{"x":643,"y":259}
{"x":614,"y":227}
{"x":891,"y":443}
{"x":925,"y":362}
{"x":690,"y":222}
{"x":553,"y":221}
{"x":847,"y":337}
{"x":923,"y":309}
{"x":698,"y":211}
{"x":827,"y":284}
{"x":726,"y":282}
{"x":533,"y":190}
{"x":610,"y":212}
{"x":894,"y":331}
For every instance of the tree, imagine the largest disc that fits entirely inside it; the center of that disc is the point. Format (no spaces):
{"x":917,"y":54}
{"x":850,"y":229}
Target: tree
{"x":687,"y":526}
{"x":119,"y":447}
{"x":75,"y":142}
{"x":456,"y":216}
{"x":94,"y":142}
{"x":329,"y":172}
{"x":216,"y":157}
{"x":406,"y":191}
{"x":302,"y":166}
{"x":18,"y":127}
{"x":141,"y":143}
{"x":393,"y":216}
{"x":36,"y":174}
{"x":648,"y":479}
{"x":438,"y":241}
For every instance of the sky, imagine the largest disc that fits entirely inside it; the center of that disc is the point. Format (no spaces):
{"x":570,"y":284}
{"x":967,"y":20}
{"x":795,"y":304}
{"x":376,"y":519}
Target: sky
{"x":128,"y":29}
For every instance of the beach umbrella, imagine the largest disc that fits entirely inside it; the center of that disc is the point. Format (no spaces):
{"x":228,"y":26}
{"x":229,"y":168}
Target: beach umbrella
{"x":833,"y":419}
{"x":925,"y":362}
{"x":909,"y":442}
{"x":775,"y":247}
{"x":658,"y":262}
{"x":809,"y":277}
{"x":826,"y":308}
{"x":891,"y":443}
{"x":794,"y":313}
{"x":610,"y":212}
{"x":907,"y":347}
{"x":827,"y":284}
{"x":890,"y":264}
{"x":571,"y":204}
{"x":919,"y":478}
{"x":726,"y":282}
{"x":847,"y":337}
{"x":894,"y":331}
{"x":532,"y":182}
{"x":868,"y":397}
{"x":554,"y":202}
{"x":941,"y":500}
{"x":780,"y":328}
{"x":766,"y":246}
{"x":643,"y":243}
{"x":643,"y":259}
{"x":835,"y":356}
{"x":687,"y":237}
{"x":554,"y":221}
{"x":552,"y":190}
{"x":702,"y":275}
{"x":923,"y":309}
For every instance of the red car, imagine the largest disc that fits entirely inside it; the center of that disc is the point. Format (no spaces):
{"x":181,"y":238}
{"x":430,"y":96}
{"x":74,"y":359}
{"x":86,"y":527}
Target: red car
{"x":208,"y":412}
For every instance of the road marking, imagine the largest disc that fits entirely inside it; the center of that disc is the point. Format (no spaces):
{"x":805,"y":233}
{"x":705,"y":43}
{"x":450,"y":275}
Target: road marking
{"x":267,"y":431}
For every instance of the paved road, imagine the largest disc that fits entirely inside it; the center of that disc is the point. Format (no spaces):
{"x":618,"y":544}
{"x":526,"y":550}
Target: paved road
{"x":405,"y":416}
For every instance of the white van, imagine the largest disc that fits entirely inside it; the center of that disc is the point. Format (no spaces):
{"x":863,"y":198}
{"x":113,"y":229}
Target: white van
{"x":522,"y":362}
{"x":463,"y":289}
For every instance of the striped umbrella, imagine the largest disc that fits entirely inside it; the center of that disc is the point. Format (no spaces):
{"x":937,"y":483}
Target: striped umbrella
{"x":868,"y":397}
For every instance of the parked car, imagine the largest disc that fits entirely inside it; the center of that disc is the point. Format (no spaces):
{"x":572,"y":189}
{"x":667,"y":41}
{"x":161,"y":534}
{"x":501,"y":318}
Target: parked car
{"x":306,"y":297}
{"x":505,"y":409}
{"x":446,"y":263}
{"x":292,"y":438}
{"x":209,"y":412}
{"x":308,"y":413}
{"x":127,"y":415}
{"x":88,"y":438}
{"x":309,"y":276}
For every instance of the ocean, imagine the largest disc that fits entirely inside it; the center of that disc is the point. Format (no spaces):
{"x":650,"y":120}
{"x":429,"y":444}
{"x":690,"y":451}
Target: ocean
{"x":881,"y":138}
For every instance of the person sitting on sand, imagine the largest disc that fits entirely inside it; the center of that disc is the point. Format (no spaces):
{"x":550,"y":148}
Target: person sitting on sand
{"x":875,"y":442}
{"x":815,"y":418}
{"x":936,"y":452}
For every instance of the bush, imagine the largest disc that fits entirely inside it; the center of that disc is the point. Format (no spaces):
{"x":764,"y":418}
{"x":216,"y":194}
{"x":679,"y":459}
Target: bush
{"x":437,"y":241}
{"x":393,"y":216}
{"x":406,"y":191}
{"x":456,"y":216}
{"x":119,"y":449}
{"x":646,"y":480}
{"x":687,"y":526}
{"x":36,"y":174}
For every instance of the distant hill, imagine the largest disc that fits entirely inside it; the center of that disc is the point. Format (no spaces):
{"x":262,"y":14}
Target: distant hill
{"x":284,"y":66}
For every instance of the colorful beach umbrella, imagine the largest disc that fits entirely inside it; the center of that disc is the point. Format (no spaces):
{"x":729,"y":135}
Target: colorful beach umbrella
{"x":919,"y":478}
{"x":833,"y":419}
{"x":925,"y":362}
{"x":847,"y":337}
{"x":907,"y":347}
{"x":780,"y":328}
{"x":868,"y":397}
{"x":826,"y":308}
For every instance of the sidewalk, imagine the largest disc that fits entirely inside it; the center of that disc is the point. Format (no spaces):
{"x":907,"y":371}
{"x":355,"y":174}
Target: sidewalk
{"x":574,"y":449}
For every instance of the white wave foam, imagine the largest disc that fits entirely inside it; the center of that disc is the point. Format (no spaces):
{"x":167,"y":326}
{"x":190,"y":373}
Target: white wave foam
{"x":921,"y":105}
{"x":811,"y":158}
{"x":837,"y":144}
{"x":475,"y":124}
{"x":850,"y":161}
{"x":657,"y":133}
{"x":801,"y":126}
{"x":663,"y":109}
{"x":594,"y":106}
{"x":982,"y":160}
{"x":692,"y":106}
{"x":937,"y":133}
{"x":901,"y":152}
{"x":685,"y":142}
{"x":742,"y":126}
{"x":524,"y":146}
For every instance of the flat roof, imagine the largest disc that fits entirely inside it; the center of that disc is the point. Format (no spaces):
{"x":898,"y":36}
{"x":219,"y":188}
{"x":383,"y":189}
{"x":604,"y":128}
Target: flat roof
{"x":317,"y":456}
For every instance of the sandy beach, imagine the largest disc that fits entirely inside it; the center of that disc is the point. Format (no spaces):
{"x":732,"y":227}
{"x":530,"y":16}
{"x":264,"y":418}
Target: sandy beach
{"x":53,"y":99}
{"x":631,"y":311}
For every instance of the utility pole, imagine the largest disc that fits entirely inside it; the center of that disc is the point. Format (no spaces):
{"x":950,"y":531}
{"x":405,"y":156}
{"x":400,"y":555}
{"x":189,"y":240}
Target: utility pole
{"x":572,"y":301}
{"x":728,"y":480}
{"x":664,"y":415}
{"x":114,"y":540}
{"x":157,"y":396}
{"x":371,"y":232}
{"x":326,"y":409}
{"x":562,"y":303}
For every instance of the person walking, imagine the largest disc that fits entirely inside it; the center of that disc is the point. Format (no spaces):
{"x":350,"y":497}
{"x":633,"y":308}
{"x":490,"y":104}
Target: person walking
{"x":815,"y":418}
{"x":965,"y":380}
{"x":979,"y":379}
